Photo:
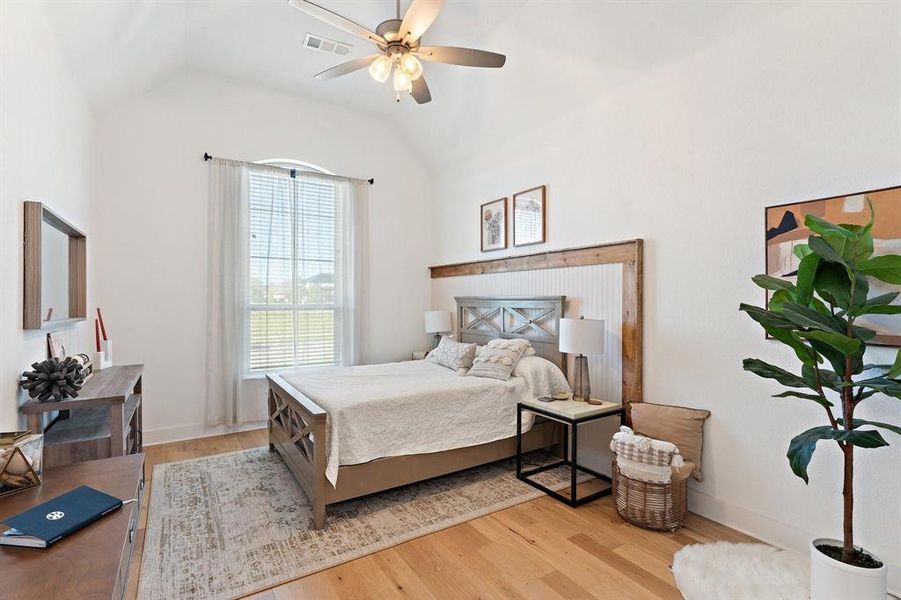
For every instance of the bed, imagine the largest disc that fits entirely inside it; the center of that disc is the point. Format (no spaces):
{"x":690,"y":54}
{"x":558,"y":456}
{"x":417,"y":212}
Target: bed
{"x":353,"y":431}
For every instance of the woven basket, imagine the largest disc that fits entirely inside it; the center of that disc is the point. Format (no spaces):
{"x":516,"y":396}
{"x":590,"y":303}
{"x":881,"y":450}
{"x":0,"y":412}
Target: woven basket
{"x":660,"y":506}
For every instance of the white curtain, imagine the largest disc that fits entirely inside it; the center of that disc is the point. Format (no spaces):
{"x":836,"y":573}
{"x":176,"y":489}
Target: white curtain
{"x":228,"y":276}
{"x":352,"y":197}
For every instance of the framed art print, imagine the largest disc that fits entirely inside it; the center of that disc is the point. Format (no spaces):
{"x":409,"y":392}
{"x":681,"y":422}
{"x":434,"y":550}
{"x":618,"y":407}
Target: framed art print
{"x":785,"y":229}
{"x":493,"y":225}
{"x":528,"y":216}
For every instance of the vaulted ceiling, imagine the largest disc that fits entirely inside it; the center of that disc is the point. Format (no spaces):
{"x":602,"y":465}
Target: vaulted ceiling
{"x":561,"y":54}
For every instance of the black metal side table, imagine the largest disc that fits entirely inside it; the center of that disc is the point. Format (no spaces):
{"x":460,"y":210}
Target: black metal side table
{"x":572,"y":414}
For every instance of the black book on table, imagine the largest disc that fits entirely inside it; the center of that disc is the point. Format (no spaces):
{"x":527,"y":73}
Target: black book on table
{"x":46,"y":523}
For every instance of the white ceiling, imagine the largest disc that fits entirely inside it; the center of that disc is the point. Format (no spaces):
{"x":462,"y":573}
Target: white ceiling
{"x":561,"y":54}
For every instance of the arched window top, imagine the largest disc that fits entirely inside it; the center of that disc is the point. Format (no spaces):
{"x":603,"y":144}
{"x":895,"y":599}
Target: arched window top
{"x":289,"y":163}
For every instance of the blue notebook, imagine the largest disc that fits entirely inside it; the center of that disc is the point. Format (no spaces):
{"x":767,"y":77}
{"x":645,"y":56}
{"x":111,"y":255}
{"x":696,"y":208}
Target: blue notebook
{"x":53,"y":520}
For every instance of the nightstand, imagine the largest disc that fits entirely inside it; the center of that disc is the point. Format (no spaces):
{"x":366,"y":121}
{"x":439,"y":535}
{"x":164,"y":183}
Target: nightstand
{"x":572,"y":414}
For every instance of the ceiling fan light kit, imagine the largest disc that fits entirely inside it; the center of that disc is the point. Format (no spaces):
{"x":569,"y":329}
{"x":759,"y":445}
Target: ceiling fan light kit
{"x":399,"y":44}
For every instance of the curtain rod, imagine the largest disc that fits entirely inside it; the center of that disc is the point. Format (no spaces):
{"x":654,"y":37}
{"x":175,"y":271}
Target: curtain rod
{"x":207,"y":156}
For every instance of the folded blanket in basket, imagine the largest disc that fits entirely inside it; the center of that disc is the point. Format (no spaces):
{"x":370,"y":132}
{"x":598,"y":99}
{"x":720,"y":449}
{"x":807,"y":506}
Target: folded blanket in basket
{"x":643,"y":471}
{"x":641,"y":449}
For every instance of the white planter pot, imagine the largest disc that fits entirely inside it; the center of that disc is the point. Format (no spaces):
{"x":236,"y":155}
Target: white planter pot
{"x":834,"y":580}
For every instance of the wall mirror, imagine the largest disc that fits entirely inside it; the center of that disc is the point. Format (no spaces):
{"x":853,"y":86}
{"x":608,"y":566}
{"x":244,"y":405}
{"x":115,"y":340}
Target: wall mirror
{"x":529,"y":217}
{"x":55,"y":270}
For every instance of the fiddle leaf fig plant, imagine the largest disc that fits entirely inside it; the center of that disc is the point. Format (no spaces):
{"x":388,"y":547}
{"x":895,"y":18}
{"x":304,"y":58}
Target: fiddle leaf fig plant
{"x":816,"y":317}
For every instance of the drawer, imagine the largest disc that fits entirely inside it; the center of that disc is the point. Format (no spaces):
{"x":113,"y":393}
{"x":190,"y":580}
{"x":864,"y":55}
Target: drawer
{"x":129,"y":546}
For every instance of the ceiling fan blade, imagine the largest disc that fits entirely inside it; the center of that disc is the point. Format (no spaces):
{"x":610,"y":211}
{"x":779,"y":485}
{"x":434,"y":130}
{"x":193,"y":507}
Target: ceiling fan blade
{"x":336,"y":20}
{"x":467,"y":57}
{"x":420,"y":91}
{"x":420,"y":15}
{"x":348,"y":67}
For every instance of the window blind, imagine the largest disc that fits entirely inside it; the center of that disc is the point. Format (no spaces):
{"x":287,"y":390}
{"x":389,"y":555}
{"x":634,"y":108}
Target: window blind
{"x":293,"y":310}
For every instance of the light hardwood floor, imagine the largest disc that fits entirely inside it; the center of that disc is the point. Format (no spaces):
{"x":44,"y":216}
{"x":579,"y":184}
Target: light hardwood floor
{"x":539,"y":549}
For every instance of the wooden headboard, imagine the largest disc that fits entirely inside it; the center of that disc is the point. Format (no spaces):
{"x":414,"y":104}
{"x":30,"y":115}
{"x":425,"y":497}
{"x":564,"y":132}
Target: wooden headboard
{"x":481,"y":319}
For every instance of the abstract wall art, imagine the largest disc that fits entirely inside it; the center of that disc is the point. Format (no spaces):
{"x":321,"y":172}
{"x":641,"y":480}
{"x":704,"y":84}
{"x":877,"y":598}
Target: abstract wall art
{"x":785,"y":229}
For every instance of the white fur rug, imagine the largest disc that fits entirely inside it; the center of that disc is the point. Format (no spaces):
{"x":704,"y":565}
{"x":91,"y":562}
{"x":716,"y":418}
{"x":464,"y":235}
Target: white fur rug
{"x":740,"y":572}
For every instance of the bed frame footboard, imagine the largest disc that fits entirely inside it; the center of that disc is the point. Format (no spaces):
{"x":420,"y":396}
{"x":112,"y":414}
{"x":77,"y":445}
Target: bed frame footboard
{"x":297,"y":430}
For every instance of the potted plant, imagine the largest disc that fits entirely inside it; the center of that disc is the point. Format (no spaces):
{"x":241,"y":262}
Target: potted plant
{"x":815,"y":317}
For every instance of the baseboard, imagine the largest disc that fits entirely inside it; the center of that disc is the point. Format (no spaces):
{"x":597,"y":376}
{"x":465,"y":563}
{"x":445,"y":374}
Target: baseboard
{"x":153,"y":437}
{"x":764,"y":527}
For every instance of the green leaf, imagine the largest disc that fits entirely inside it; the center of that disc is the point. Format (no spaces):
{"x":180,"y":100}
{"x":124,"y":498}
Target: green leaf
{"x":767,"y":318}
{"x":874,"y":304}
{"x":884,"y":268}
{"x":860,"y":422}
{"x":828,"y":379}
{"x":815,"y":397}
{"x":801,"y":251}
{"x":810,"y":318}
{"x":768,"y":282}
{"x":805,"y":354}
{"x":895,"y":369}
{"x":779,"y":298}
{"x":768,"y":371}
{"x":840,"y":342}
{"x":824,"y":227}
{"x":801,"y":448}
{"x":821,"y":248}
{"x":889,"y":387}
{"x":807,"y":270}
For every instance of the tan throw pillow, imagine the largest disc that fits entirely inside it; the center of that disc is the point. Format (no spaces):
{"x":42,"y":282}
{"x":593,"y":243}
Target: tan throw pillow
{"x":453,"y":355}
{"x":681,"y":426}
{"x":498,"y":358}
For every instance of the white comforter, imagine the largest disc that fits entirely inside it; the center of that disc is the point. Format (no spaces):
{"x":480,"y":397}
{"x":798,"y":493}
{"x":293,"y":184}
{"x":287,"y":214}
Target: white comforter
{"x":393,"y":409}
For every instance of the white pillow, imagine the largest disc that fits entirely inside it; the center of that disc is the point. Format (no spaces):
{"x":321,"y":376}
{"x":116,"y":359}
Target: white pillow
{"x":542,"y":377}
{"x":530,"y":351}
{"x":453,"y":355}
{"x":498,"y":358}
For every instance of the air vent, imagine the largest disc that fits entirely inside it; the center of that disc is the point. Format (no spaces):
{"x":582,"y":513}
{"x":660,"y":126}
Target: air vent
{"x":321,"y":44}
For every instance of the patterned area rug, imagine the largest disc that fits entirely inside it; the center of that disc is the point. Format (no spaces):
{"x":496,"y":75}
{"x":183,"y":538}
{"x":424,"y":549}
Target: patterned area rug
{"x":232,"y":524}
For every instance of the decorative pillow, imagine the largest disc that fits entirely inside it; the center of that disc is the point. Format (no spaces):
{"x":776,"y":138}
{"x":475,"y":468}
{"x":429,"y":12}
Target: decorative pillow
{"x":498,"y":358}
{"x":453,"y":355}
{"x":681,"y":426}
{"x":530,"y":351}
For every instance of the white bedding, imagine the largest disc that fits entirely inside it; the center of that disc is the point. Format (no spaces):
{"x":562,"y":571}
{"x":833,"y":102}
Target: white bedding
{"x":393,"y":409}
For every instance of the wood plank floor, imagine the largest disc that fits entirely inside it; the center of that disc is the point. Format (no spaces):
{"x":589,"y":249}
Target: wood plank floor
{"x":539,"y":549}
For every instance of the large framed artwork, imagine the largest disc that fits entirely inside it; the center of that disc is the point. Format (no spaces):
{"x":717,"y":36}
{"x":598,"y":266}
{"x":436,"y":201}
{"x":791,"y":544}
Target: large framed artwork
{"x":493,"y":225}
{"x":528,"y":216}
{"x":785,"y":229}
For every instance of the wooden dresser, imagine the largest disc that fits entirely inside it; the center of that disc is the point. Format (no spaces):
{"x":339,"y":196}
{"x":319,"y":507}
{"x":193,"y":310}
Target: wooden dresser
{"x":91,"y":563}
{"x":104,"y":420}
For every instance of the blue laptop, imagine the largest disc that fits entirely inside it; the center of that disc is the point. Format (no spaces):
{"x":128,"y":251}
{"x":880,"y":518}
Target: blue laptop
{"x":53,"y":520}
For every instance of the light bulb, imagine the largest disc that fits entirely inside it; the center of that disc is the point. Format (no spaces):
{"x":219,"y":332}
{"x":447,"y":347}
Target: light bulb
{"x":402,"y":81}
{"x":411,"y":65}
{"x":380,"y":68}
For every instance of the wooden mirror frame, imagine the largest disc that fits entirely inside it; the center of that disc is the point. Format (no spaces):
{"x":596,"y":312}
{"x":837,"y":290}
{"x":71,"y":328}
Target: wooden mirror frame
{"x":36,"y":214}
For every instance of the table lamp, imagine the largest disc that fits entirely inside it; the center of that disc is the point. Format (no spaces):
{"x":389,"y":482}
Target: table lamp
{"x":438,"y":322}
{"x":581,"y":336}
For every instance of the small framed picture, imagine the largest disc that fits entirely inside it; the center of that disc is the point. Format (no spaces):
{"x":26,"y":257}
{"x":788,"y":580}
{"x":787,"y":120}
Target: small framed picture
{"x":55,"y":345}
{"x":493,"y":224}
{"x":528,"y":217}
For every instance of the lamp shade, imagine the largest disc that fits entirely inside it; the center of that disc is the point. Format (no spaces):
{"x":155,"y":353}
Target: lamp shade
{"x":438,"y":321}
{"x":582,"y":336}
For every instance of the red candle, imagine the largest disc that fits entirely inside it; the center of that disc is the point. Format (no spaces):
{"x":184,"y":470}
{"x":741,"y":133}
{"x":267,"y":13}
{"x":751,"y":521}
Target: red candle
{"x":97,"y":333}
{"x":102,"y":326}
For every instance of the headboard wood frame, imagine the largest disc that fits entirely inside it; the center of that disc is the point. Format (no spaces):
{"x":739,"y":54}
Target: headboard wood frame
{"x":628,"y":253}
{"x":481,"y":319}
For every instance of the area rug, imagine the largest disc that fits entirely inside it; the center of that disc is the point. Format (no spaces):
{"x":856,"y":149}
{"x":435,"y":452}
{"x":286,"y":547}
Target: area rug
{"x":741,"y":572}
{"x":232,"y":524}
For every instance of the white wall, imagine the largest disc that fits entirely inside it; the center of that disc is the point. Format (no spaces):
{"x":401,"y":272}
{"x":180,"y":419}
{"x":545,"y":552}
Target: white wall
{"x":151,"y":238}
{"x":805,"y":105}
{"x":46,"y":154}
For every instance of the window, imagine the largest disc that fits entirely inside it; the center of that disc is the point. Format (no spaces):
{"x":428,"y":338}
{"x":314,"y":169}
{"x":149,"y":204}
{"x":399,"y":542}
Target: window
{"x":293,"y":310}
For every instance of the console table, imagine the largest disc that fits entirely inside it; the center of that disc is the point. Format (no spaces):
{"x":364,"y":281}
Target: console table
{"x":104,"y":419}
{"x":91,"y":563}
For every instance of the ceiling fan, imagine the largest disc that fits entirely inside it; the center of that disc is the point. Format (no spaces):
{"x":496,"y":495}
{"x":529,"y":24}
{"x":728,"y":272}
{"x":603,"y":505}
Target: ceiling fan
{"x":400,"y":49}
